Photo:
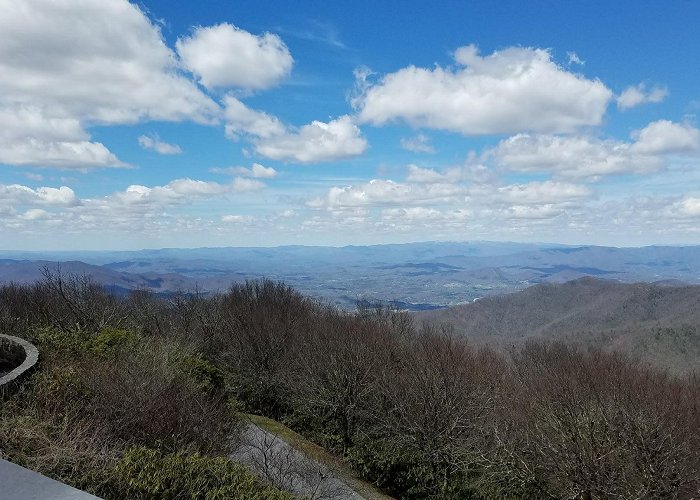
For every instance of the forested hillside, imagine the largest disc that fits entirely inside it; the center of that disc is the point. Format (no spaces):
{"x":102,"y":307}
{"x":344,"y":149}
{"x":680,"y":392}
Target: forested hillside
{"x":656,"y":323}
{"x":139,"y":392}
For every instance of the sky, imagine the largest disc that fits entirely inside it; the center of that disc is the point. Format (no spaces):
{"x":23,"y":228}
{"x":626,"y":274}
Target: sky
{"x":129,"y":125}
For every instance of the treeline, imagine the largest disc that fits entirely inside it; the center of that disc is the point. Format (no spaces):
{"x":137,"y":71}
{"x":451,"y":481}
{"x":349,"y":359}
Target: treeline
{"x":412,"y":408}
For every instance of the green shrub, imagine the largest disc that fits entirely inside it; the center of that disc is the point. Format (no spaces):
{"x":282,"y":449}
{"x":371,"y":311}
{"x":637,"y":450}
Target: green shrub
{"x":406,"y":472}
{"x":206,"y":375}
{"x":59,"y":391}
{"x":109,"y":340}
{"x":52,"y":339}
{"x":145,"y":473}
{"x":73,"y":451}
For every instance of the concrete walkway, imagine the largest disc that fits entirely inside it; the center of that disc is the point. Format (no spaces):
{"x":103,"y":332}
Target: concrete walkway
{"x":279,"y":463}
{"x":18,"y":483}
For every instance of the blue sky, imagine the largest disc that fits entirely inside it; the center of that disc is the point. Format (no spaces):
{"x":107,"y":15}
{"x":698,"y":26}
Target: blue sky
{"x":185,"y":124}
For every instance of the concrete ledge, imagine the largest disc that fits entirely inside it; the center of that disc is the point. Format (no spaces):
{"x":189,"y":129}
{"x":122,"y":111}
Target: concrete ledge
{"x":31,"y":356}
{"x":18,"y":483}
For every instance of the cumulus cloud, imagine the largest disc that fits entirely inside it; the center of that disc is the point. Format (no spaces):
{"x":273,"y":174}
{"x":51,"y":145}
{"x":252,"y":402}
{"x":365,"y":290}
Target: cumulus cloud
{"x":80,"y":155}
{"x":236,"y":219}
{"x":635,"y":95}
{"x":312,"y":143}
{"x":153,"y":143}
{"x":316,"y":142}
{"x":688,"y":207}
{"x":546,"y":211}
{"x":479,"y":190}
{"x":181,"y":190}
{"x":379,"y":192}
{"x":241,"y":184}
{"x":543,"y":193}
{"x":513,"y":90}
{"x":66,"y":64}
{"x":260,"y":171}
{"x":257,"y":171}
{"x":137,"y":210}
{"x":419,"y":143}
{"x":584,"y":156}
{"x":666,"y":137}
{"x":474,"y":172}
{"x":16,"y":194}
{"x":427,"y":175}
{"x":241,"y":120}
{"x":423,"y":214}
{"x":578,"y":156}
{"x":227,"y":56}
{"x":35,"y":214}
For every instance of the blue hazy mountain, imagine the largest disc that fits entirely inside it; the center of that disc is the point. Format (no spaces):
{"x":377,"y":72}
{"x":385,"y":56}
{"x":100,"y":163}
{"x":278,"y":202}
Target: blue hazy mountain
{"x":414,"y":275}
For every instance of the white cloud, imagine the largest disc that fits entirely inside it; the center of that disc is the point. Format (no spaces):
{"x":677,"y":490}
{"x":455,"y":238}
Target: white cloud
{"x":241,"y":184}
{"x":35,"y":214}
{"x":180,"y":191}
{"x":574,"y":59}
{"x":426,"y":175}
{"x":316,"y":142}
{"x":78,"y":155}
{"x":577,"y":156}
{"x":590,"y":157}
{"x":424,"y":214}
{"x":236,"y":219}
{"x":67,"y":64}
{"x":378,"y":192}
{"x":16,"y":194}
{"x":240,"y":119}
{"x":153,"y":143}
{"x":411,"y":213}
{"x":257,"y":171}
{"x":312,"y":143}
{"x":136,"y":211}
{"x":666,"y":137}
{"x":547,"y":211}
{"x":546,"y":192}
{"x":474,"y":172}
{"x":227,"y":56}
{"x":513,"y":90}
{"x":688,"y":207}
{"x":418,"y":144}
{"x":635,"y":95}
{"x":261,"y":171}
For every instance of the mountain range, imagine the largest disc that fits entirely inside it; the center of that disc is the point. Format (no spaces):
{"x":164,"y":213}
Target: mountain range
{"x":413,"y":276}
{"x":656,"y":323}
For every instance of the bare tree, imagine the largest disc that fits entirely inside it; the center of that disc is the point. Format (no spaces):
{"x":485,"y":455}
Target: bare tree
{"x":80,"y":303}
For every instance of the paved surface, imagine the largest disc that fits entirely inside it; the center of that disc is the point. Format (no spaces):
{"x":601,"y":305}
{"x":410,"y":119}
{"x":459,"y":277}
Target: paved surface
{"x":18,"y":483}
{"x":279,"y":463}
{"x":31,"y":358}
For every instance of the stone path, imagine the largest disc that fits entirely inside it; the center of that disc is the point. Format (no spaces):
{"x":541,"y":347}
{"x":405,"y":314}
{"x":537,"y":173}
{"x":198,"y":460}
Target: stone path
{"x":18,"y":483}
{"x":279,"y":463}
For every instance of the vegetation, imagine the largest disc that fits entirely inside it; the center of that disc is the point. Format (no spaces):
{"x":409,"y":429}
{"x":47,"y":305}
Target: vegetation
{"x":653,"y":322}
{"x":416,"y":410}
{"x":148,"y":473}
{"x":115,"y":410}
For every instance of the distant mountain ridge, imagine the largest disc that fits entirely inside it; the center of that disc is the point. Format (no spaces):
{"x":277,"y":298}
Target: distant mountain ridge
{"x":414,"y":276}
{"x":30,"y":271}
{"x":655,"y":322}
